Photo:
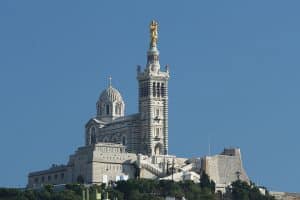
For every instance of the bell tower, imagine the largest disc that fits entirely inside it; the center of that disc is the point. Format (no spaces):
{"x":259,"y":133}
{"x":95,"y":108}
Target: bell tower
{"x":153,"y":100}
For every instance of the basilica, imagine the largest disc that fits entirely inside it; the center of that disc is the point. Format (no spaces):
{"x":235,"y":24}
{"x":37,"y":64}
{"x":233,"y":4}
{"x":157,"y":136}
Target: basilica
{"x":119,"y":147}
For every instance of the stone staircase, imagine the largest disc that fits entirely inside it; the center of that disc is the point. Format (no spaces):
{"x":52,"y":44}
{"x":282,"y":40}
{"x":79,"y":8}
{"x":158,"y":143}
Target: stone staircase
{"x":152,"y":168}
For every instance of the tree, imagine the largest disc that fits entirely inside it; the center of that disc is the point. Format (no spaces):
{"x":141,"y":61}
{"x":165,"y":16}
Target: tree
{"x":134,"y":195}
{"x":80,"y":179}
{"x":170,"y":188}
{"x":77,"y":188}
{"x":205,"y":182}
{"x":240,"y":190}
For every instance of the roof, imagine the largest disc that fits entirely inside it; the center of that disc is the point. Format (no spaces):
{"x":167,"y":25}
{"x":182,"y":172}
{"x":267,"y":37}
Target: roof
{"x":110,"y":94}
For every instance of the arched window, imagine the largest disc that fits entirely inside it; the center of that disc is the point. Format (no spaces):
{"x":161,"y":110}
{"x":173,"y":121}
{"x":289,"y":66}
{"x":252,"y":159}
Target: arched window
{"x":120,"y":109}
{"x":107,"y":109}
{"x":158,"y":89}
{"x":141,"y":91}
{"x":124,"y":140}
{"x":146,"y":89}
{"x":157,"y":149}
{"x":93,"y":135}
{"x":116,"y":109}
{"x":157,"y":132}
{"x":157,"y":112}
{"x":162,"y":90}
{"x":154,"y":89}
{"x":99,"y":109}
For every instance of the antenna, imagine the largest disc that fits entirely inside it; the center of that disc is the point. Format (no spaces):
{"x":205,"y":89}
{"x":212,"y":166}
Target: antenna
{"x":209,"y":153}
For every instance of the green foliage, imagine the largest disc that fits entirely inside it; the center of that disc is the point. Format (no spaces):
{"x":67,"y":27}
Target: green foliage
{"x":142,"y":189}
{"x":29,"y":194}
{"x":170,"y":188}
{"x":205,"y":182}
{"x":47,"y":193}
{"x":113,"y":194}
{"x":153,"y":189}
{"x":7,"y":192}
{"x":80,"y":179}
{"x":240,"y":190}
{"x":66,"y":195}
{"x":48,"y":188}
{"x":77,"y":188}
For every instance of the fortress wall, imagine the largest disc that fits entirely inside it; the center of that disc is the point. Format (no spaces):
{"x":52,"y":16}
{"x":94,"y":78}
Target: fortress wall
{"x":54,"y":175}
{"x":211,"y":167}
{"x":225,"y":168}
{"x":101,"y":170}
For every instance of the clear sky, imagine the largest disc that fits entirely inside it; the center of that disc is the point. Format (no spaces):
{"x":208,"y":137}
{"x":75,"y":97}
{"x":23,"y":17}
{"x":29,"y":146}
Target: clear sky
{"x":234,"y":79}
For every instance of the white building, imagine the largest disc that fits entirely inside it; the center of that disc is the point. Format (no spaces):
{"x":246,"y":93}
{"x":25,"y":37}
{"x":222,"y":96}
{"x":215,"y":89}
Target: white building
{"x":119,"y":146}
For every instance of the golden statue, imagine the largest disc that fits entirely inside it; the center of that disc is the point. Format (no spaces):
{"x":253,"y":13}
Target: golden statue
{"x":153,"y":33}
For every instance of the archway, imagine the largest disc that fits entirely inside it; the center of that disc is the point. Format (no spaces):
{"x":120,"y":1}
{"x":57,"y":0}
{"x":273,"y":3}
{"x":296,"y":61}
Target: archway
{"x":158,"y":149}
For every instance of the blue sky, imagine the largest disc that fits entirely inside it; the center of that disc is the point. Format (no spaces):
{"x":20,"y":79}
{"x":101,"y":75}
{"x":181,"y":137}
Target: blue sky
{"x":234,"y":79}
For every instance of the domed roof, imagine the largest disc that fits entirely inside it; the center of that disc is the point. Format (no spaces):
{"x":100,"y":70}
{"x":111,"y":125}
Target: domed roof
{"x":110,"y":95}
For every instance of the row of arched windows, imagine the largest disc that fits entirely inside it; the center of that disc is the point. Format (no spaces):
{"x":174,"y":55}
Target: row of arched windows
{"x":107,"y":111}
{"x":93,"y":138}
{"x":159,"y":89}
{"x":153,"y":58}
{"x":49,"y":178}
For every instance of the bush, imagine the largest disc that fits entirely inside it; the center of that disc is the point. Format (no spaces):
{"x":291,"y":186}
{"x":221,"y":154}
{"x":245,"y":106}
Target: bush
{"x":241,"y":190}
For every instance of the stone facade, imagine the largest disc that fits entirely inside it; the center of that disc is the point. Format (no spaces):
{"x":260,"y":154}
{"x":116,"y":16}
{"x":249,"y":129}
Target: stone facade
{"x":120,"y":147}
{"x":153,"y":105}
{"x":57,"y":174}
{"x":145,"y":132}
{"x":224,"y":168}
{"x":90,"y":164}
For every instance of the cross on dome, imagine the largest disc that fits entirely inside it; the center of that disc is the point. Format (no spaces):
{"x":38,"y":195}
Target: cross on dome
{"x":110,"y":78}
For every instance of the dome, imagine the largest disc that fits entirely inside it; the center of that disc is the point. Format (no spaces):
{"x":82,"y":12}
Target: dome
{"x":110,"y":105}
{"x":110,"y":95}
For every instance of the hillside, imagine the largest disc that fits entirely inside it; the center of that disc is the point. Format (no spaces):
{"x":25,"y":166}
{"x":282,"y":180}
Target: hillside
{"x":141,"y":189}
